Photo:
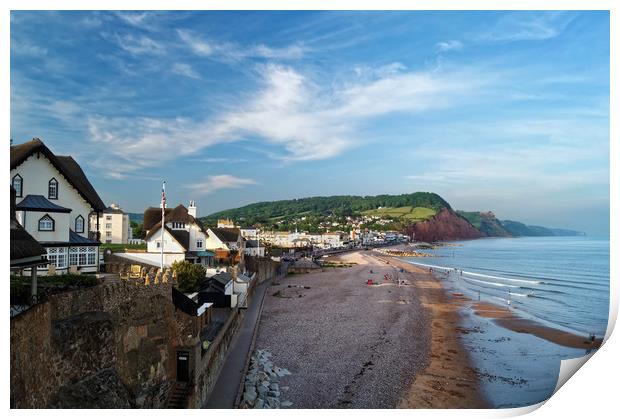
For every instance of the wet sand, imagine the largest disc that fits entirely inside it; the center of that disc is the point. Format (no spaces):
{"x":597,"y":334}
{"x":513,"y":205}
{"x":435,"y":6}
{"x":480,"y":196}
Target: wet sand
{"x":505,"y":317}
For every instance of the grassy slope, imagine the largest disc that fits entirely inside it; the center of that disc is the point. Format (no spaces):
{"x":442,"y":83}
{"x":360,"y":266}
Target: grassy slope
{"x":472,"y":216}
{"x":343,"y":204}
{"x":408,"y":213}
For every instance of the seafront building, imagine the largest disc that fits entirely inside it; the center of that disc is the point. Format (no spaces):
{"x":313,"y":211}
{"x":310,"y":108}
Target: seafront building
{"x":184,"y":237}
{"x":114,"y":224}
{"x":227,"y":243}
{"x":53,"y":202}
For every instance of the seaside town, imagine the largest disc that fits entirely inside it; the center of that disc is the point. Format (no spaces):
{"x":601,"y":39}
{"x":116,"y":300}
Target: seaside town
{"x":171,"y":319}
{"x":73,"y":256}
{"x":306,"y":209}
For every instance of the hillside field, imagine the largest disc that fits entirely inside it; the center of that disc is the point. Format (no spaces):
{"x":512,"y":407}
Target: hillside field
{"x":408,"y":213}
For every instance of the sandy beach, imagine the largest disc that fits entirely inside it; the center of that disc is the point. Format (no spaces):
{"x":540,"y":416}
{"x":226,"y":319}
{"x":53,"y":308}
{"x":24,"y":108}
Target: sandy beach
{"x":353,"y":345}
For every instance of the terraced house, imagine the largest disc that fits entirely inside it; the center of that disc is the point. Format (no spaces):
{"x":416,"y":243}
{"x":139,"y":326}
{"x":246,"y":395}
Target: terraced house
{"x":54,"y":201}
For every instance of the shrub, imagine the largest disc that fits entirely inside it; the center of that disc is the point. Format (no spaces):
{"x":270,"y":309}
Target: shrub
{"x":189,"y":275}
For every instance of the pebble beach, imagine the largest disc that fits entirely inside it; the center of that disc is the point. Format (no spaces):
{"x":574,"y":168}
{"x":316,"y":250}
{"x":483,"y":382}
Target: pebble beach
{"x":349,"y":344}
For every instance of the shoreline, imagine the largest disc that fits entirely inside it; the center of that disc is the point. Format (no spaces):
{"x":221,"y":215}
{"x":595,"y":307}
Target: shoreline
{"x":449,"y":380}
{"x":386,"y":345}
{"x":511,"y":320}
{"x":508,"y":319}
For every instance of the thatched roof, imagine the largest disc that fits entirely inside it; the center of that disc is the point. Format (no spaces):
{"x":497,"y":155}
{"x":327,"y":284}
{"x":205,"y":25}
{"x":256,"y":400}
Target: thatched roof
{"x":179,"y":214}
{"x":181,"y":236}
{"x":68,"y":167}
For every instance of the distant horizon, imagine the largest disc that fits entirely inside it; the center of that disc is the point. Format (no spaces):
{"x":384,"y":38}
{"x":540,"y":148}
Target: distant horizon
{"x":503,"y":111}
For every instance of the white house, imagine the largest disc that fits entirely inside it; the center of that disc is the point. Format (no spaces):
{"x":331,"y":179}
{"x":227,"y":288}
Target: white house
{"x":184,"y":237}
{"x":254,"y":248}
{"x":227,"y":244}
{"x":114,"y":225}
{"x":54,"y":201}
{"x":250,"y":233}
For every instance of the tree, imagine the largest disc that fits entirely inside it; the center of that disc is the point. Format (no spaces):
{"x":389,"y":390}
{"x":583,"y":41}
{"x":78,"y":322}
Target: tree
{"x":137,"y":230}
{"x":189,"y":275}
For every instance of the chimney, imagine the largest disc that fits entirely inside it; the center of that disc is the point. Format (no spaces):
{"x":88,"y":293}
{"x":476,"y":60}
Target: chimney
{"x":191,"y":210}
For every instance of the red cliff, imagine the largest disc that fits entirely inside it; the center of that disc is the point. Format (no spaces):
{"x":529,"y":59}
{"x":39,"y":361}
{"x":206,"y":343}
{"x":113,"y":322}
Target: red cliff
{"x":444,"y":226}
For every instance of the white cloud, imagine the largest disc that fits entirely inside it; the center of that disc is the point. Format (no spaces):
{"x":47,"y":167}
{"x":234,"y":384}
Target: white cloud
{"x":527,"y":26}
{"x":228,"y":51}
{"x":308,"y":120}
{"x":449,"y":45}
{"x":137,"y":19}
{"x":186,"y":70}
{"x":197,"y":45}
{"x":217,"y":182}
{"x":139,"y":45}
{"x":26,"y":49}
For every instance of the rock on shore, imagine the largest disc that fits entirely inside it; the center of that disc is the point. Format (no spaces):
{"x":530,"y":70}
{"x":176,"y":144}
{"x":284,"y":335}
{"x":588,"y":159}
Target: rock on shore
{"x":262,"y":388}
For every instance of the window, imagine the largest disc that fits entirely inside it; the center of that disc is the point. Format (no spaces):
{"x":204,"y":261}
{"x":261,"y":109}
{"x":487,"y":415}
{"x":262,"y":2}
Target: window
{"x":79,"y":224}
{"x":108,"y":234}
{"x":108,"y":225}
{"x":108,"y":241}
{"x":199,"y":243}
{"x":178,"y":225}
{"x":82,"y":256}
{"x":57,"y":257}
{"x":158,"y":245}
{"x":46,"y":223}
{"x":52,"y":189}
{"x":73,"y":256}
{"x":91,"y":255}
{"x":108,"y":217}
{"x":17,"y":185}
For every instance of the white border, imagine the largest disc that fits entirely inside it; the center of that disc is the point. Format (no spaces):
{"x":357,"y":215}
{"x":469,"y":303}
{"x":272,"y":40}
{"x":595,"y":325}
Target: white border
{"x":591,"y":393}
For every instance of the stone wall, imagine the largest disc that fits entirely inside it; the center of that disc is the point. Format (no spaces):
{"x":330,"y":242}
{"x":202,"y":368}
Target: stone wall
{"x":118,"y":341}
{"x":264,"y":267}
{"x":211,"y":361}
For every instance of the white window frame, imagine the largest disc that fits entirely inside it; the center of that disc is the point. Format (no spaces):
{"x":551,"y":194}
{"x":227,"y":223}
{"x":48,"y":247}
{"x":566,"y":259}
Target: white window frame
{"x":47,"y":219}
{"x":53,"y":189}
{"x":18,"y":193}
{"x":81,"y":229}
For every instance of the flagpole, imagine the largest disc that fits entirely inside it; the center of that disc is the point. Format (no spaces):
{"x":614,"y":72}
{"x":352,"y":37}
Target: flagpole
{"x":163,"y":222}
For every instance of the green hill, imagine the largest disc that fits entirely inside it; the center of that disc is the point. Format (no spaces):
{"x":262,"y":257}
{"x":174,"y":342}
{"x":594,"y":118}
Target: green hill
{"x":408,"y":213}
{"x":486,"y":223}
{"x":419,"y":205}
{"x":519,"y":229}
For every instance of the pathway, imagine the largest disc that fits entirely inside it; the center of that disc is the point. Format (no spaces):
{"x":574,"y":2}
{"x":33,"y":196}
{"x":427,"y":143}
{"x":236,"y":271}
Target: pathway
{"x":227,"y":385}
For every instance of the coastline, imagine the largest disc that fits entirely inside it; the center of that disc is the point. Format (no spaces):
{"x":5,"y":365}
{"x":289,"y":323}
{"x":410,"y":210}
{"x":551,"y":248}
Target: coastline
{"x":449,"y":380}
{"x":508,"y":319}
{"x":349,"y":344}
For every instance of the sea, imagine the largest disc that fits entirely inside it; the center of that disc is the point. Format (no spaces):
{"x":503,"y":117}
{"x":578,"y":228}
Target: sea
{"x":561,"y":282}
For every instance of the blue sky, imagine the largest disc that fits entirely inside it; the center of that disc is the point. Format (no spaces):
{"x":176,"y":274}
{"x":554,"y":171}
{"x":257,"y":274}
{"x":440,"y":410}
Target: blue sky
{"x":501,"y":111}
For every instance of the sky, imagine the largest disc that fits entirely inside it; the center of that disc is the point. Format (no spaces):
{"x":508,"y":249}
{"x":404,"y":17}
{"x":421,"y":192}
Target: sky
{"x":499,"y":111}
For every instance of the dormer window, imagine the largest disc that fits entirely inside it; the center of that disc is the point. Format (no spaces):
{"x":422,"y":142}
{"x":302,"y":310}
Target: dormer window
{"x":46,"y":223}
{"x":52,"y":189}
{"x":18,"y":183}
{"x":79,"y":224}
